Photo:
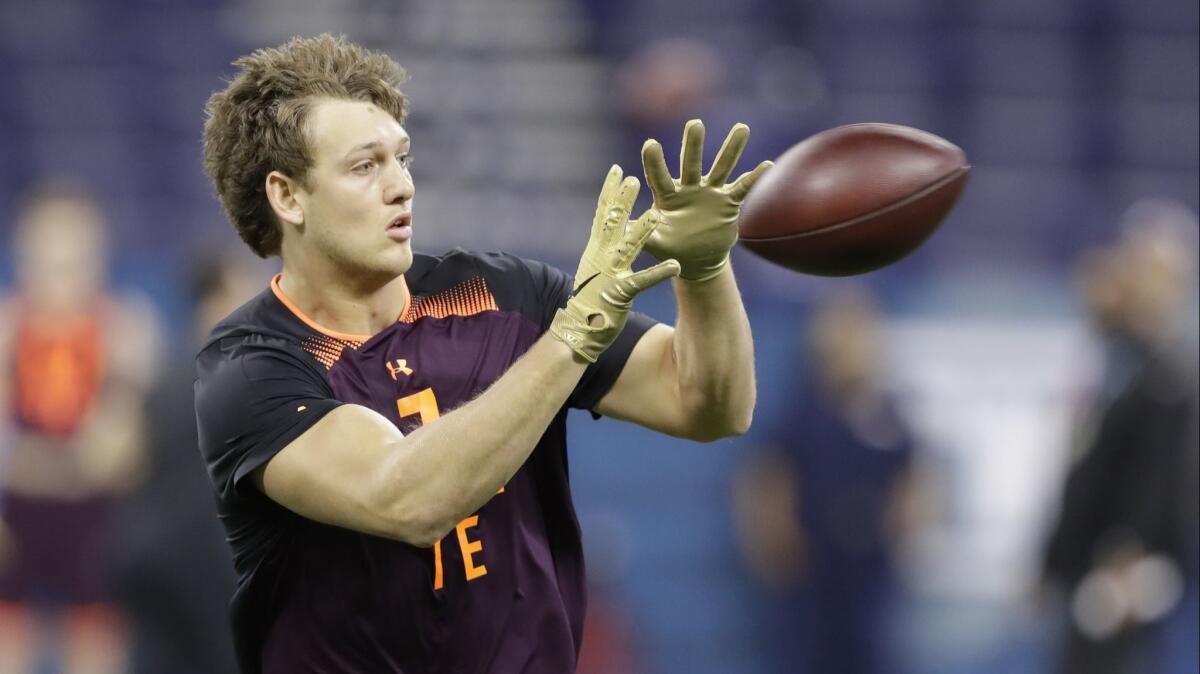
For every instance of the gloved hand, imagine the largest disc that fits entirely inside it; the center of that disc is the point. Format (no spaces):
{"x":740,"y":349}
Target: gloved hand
{"x":604,"y":283}
{"x":699,"y":214}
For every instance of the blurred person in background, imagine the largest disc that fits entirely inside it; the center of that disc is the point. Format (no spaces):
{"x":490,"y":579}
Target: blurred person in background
{"x":1125,"y":539}
{"x":661,"y":84}
{"x":611,"y":643}
{"x":76,"y":362}
{"x":173,"y":573}
{"x":823,"y":510}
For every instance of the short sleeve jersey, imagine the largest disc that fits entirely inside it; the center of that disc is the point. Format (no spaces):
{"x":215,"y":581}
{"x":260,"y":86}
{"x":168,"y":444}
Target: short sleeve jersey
{"x":504,"y":591}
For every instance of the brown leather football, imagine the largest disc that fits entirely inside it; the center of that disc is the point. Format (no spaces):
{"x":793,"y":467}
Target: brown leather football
{"x":853,"y":199}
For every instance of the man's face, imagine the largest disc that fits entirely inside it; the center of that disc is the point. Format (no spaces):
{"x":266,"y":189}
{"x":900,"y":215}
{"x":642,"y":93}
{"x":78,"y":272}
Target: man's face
{"x":60,"y":255}
{"x":846,"y":337}
{"x":358,"y":205}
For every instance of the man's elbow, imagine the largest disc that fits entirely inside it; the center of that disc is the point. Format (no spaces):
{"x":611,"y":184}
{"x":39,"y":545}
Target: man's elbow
{"x":711,"y":427}
{"x":741,"y":423}
{"x":418,"y":525}
{"x":417,"y":533}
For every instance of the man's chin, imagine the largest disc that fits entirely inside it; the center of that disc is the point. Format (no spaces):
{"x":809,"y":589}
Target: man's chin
{"x":401,"y":259}
{"x":391,"y":263}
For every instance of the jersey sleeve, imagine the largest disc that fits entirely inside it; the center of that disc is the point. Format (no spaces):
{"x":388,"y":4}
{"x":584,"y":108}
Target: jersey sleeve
{"x":551,"y":290}
{"x":252,"y":400}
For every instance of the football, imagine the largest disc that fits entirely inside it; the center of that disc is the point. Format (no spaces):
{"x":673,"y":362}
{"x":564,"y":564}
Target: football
{"x":853,"y":199}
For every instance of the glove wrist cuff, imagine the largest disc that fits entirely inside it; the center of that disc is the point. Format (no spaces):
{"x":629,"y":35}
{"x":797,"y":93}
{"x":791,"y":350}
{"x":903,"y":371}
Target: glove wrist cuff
{"x":568,"y":330}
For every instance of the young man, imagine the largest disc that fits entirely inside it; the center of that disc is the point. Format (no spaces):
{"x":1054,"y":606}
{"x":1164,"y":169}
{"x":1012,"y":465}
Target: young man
{"x":386,"y":431}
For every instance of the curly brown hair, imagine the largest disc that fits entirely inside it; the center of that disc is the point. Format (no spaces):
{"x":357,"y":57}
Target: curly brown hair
{"x":257,"y":124}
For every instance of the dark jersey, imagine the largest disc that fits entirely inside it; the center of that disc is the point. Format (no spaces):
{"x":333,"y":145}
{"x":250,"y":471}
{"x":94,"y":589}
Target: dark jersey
{"x":504,"y":591}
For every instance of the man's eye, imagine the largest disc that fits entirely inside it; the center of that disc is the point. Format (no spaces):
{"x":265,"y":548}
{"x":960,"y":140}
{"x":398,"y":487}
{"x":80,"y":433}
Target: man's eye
{"x":363,"y":167}
{"x":405,"y":160}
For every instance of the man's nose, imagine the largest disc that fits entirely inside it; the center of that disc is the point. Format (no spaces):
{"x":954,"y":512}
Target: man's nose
{"x":399,"y":187}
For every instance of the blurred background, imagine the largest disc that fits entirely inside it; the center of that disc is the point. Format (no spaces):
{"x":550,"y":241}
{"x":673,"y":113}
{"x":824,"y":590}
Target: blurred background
{"x":982,"y":459}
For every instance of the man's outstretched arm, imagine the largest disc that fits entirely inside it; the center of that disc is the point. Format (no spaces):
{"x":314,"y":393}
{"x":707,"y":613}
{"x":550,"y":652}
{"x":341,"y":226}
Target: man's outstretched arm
{"x":696,"y":380}
{"x":354,"y":469}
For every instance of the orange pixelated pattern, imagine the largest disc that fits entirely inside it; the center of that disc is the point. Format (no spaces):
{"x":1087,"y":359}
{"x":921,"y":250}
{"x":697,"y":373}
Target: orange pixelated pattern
{"x":465,"y":299}
{"x":327,"y":350}
{"x":59,"y":371}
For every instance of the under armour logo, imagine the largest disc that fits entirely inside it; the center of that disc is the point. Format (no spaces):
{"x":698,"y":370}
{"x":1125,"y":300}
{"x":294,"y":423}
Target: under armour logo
{"x":401,"y":367}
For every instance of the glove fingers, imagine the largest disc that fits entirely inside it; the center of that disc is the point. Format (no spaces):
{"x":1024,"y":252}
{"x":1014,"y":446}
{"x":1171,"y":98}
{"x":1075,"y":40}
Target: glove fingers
{"x":611,"y":183}
{"x":637,"y":232}
{"x":658,"y":176}
{"x":618,"y":210}
{"x":741,"y":187}
{"x":728,"y":155}
{"x":692,"y":153}
{"x":627,"y":194}
{"x":622,"y":291}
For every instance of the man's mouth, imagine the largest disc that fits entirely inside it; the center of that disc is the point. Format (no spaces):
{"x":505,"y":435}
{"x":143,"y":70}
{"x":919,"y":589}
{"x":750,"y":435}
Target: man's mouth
{"x":400,"y":229}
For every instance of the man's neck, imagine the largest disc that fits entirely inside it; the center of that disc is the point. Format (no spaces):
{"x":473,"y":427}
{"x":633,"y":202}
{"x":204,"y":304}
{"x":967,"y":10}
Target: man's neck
{"x":337,"y":303}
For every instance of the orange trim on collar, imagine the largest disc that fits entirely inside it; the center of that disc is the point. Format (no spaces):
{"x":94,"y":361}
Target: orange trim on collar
{"x":287,"y":302}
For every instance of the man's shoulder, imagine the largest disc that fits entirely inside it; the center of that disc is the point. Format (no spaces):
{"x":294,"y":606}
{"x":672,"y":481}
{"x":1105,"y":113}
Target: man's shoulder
{"x":458,"y":264}
{"x":515,"y":283}
{"x":249,"y":318}
{"x":262,"y":322}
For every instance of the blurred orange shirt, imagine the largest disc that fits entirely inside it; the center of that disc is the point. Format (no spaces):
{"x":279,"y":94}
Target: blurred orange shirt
{"x":59,"y":367}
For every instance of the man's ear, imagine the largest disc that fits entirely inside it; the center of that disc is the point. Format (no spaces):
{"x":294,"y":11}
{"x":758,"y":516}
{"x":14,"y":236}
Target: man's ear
{"x":282,"y":193}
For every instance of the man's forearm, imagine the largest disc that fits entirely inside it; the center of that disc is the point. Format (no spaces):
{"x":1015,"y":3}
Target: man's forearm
{"x":714,"y":355}
{"x":453,"y":466}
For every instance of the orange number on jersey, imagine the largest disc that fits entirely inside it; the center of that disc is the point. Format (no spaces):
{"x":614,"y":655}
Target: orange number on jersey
{"x":424,"y":403}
